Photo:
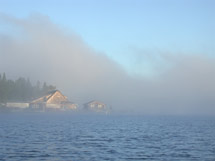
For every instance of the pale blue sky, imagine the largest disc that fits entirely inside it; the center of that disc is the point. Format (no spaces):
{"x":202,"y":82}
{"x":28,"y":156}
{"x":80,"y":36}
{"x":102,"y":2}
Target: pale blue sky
{"x":120,"y":28}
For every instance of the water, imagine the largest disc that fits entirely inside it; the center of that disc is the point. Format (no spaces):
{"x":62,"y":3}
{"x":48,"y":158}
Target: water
{"x":79,"y":138}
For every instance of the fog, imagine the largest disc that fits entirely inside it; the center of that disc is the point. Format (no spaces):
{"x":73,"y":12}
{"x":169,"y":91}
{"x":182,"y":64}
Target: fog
{"x":41,"y":50}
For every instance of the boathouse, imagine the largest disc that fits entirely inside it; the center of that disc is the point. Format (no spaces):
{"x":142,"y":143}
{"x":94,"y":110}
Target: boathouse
{"x":53,"y":100}
{"x":95,"y":106}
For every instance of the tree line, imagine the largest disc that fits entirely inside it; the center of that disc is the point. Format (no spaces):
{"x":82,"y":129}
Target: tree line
{"x":21,"y":89}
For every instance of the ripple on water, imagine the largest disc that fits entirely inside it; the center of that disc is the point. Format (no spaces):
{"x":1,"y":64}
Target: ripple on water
{"x":42,"y":137}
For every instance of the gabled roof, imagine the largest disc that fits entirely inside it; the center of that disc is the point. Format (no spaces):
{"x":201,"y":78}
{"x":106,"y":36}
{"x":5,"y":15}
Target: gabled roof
{"x":48,"y":97}
{"x":94,"y":101}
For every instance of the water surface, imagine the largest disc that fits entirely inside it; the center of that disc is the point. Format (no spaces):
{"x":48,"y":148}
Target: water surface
{"x":71,"y":137}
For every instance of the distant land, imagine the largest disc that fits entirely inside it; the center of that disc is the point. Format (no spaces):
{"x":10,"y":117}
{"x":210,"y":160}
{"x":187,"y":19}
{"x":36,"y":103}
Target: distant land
{"x":21,"y":95}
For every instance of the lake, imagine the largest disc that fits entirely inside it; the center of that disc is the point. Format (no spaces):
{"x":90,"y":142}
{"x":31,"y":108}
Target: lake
{"x":51,"y":136}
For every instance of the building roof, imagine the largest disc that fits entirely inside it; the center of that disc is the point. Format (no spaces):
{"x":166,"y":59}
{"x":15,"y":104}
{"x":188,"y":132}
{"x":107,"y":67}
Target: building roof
{"x":50,"y":96}
{"x":94,"y":101}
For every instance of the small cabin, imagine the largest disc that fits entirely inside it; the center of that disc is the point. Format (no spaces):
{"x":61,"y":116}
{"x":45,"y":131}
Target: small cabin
{"x":95,"y":106}
{"x":52,"y":100}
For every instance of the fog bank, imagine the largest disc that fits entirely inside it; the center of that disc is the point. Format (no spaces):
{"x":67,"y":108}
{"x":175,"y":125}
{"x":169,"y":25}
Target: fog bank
{"x":41,"y":50}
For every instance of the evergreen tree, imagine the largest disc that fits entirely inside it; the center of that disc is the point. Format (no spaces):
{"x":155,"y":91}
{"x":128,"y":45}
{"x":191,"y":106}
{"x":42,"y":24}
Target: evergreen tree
{"x":21,"y":89}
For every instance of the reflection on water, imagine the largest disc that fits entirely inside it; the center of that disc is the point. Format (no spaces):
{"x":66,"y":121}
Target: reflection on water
{"x":69,"y":137}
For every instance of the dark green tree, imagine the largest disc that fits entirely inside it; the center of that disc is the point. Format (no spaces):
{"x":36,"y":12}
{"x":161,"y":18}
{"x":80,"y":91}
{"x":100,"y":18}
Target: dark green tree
{"x":21,"y":89}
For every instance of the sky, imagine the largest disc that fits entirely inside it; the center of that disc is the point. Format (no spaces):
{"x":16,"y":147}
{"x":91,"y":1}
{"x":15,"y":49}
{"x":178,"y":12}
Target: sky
{"x":121,"y":28}
{"x":138,"y":55}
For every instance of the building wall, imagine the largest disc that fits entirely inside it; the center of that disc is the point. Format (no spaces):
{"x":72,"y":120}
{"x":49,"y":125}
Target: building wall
{"x":96,"y":105}
{"x":70,"y":106}
{"x":50,"y":105}
{"x":17,"y":105}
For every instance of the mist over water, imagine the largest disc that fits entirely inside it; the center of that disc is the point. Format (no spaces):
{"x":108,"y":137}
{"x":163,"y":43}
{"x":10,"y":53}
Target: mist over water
{"x":42,"y":50}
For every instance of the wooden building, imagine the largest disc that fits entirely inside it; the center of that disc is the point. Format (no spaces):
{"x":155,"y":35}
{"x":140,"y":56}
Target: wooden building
{"x":52,"y":100}
{"x":95,"y":106}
